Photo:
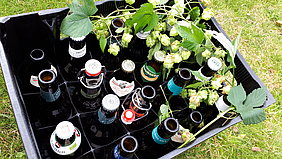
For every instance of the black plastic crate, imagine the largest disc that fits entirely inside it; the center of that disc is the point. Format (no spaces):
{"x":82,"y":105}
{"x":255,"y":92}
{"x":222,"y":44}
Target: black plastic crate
{"x":20,"y":34}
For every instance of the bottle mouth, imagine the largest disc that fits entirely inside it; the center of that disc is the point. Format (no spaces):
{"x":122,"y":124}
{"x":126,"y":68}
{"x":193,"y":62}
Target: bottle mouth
{"x":118,"y":23}
{"x":148,"y":92}
{"x":171,"y":124}
{"x":129,"y":144}
{"x":185,"y":73}
{"x":47,"y":76}
{"x":37,"y":54}
{"x":196,"y":117}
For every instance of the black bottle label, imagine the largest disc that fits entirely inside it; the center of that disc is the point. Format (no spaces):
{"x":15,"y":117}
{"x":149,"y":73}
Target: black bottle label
{"x":49,"y":96}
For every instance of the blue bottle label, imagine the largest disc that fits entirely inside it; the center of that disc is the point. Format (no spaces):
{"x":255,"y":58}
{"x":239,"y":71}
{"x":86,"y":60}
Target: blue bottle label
{"x":156,"y":137}
{"x":50,"y":97}
{"x":103,"y":119}
{"x":175,"y":89}
{"x":117,"y":155}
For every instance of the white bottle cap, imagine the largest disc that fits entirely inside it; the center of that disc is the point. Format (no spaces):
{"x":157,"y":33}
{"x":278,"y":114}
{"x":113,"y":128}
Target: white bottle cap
{"x":159,"y":56}
{"x":93,"y":67}
{"x":78,"y":38}
{"x":214,"y":63}
{"x":64,"y":130}
{"x":128,"y":66}
{"x":110,"y":102}
{"x":128,"y":116}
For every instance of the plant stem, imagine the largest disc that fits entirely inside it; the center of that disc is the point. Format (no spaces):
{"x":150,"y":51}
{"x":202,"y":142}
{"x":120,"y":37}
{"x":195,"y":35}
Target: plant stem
{"x":220,"y":115}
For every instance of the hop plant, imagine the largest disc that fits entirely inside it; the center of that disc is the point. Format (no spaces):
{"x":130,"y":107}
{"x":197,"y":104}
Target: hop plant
{"x":216,"y":84}
{"x":130,"y":1}
{"x":160,"y":27}
{"x":226,"y":89}
{"x":213,"y":97}
{"x":165,"y":40}
{"x":207,"y":14}
{"x":150,"y":41}
{"x":203,"y":94}
{"x":176,"y":58}
{"x":126,"y":38}
{"x":175,"y":45}
{"x":168,"y":61}
{"x":155,"y":2}
{"x":114,"y":49}
{"x":173,"y":32}
{"x":206,"y":54}
{"x":155,"y":34}
{"x":171,"y":20}
{"x":185,"y":54}
{"x":194,"y":101}
{"x":219,"y":53}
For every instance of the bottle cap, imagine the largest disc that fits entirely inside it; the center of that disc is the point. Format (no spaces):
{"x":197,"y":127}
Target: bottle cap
{"x":64,"y":130}
{"x":128,"y":66}
{"x":78,"y":38}
{"x":110,"y":102}
{"x":93,"y":67}
{"x":128,"y":116}
{"x":143,"y":35}
{"x":214,"y":63}
{"x":159,"y":56}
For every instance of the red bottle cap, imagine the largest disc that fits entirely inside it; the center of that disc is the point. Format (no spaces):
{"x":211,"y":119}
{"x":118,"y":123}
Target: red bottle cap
{"x":127,"y":116}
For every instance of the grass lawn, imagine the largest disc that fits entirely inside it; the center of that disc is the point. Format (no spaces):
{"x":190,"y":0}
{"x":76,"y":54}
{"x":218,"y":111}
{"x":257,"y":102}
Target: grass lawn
{"x":261,"y":45}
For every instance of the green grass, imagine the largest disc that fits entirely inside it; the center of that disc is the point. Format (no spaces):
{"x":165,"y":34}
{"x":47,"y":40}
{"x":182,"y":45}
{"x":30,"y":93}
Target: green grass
{"x":260,"y":45}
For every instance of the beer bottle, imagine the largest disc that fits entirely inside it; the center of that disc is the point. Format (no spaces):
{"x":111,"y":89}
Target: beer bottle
{"x":209,"y":69}
{"x":66,"y":139}
{"x":176,"y":83}
{"x":123,"y":81}
{"x":88,"y":96}
{"x":105,"y":129}
{"x":151,"y":70}
{"x":53,"y":107}
{"x":78,"y":56}
{"x":126,"y":148}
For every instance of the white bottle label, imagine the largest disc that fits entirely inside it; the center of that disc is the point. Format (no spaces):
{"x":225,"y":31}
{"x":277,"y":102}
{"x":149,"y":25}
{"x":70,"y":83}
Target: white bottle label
{"x":120,"y":87}
{"x":220,"y":104}
{"x":77,"y":53}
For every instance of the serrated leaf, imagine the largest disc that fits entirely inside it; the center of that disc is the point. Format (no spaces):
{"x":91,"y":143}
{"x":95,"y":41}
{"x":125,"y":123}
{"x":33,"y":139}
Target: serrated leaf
{"x":194,"y":13}
{"x":103,"y":43}
{"x":195,"y":85}
{"x":252,"y":116}
{"x":156,"y":48}
{"x":197,"y":74}
{"x":83,"y":7}
{"x":256,"y":98}
{"x":145,"y":18}
{"x":76,"y":25}
{"x":193,"y":34}
{"x":237,"y":96}
{"x":190,"y":45}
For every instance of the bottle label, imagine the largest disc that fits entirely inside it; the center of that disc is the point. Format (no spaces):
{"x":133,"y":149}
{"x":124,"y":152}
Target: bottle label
{"x":149,"y":74}
{"x":156,"y":137}
{"x":202,"y":78}
{"x":50,"y":97}
{"x":77,"y":53}
{"x":175,"y":89}
{"x":221,"y":105}
{"x":120,"y":87}
{"x":90,"y":96}
{"x":103,"y":119}
{"x":117,"y":155}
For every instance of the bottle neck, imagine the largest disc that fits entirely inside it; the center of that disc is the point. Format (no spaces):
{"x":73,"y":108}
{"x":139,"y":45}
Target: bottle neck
{"x":225,"y":100}
{"x":77,"y":44}
{"x":183,"y":77}
{"x":207,"y":71}
{"x":168,"y":128}
{"x":126,"y":148}
{"x":196,"y":117}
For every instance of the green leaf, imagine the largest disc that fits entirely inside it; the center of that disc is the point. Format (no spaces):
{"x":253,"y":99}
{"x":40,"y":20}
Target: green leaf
{"x":193,"y":34}
{"x":195,"y":85}
{"x":252,"y":116}
{"x":83,"y":7}
{"x":256,"y":98}
{"x":199,"y":59}
{"x":194,"y":13}
{"x":145,"y":18}
{"x":163,"y":1}
{"x":103,"y":43}
{"x":197,"y":74}
{"x":120,"y":30}
{"x":156,"y":48}
{"x":190,"y":45}
{"x":163,"y":112}
{"x":76,"y":25}
{"x":237,"y":96}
